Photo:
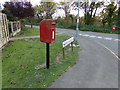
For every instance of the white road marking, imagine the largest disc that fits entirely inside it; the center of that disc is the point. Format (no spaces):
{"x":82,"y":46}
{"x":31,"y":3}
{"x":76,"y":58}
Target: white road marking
{"x":108,"y":38}
{"x":80,"y":34}
{"x":99,"y":37}
{"x":108,"y":50}
{"x":93,"y":36}
{"x":86,"y":35}
{"x":75,"y":45}
{"x":116,"y":39}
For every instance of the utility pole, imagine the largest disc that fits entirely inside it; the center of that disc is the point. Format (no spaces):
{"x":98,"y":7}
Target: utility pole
{"x":0,"y":7}
{"x":77,"y":23}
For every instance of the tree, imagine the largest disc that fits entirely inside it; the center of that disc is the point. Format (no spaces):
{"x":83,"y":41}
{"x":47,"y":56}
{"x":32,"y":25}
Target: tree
{"x":45,"y":10}
{"x":20,"y":9}
{"x":37,"y":10}
{"x":10,"y":16}
{"x":103,"y":18}
{"x":90,"y":10}
{"x":66,"y":7}
{"x":110,"y":9}
{"x":118,"y":15}
{"x":29,"y":11}
{"x":109,"y":13}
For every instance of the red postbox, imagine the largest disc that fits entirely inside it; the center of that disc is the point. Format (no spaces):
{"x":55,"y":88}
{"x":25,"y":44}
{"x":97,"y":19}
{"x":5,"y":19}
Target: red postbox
{"x":47,"y":30}
{"x":47,"y":35}
{"x":114,"y":28}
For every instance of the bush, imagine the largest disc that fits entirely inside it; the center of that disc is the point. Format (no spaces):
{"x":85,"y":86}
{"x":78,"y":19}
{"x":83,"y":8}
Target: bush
{"x":22,"y":23}
{"x":92,"y":28}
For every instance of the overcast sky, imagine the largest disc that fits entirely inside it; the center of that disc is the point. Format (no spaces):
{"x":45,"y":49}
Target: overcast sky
{"x":58,"y":12}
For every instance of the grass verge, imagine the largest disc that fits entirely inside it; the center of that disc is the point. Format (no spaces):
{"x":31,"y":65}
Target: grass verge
{"x":28,"y":32}
{"x":20,"y":58}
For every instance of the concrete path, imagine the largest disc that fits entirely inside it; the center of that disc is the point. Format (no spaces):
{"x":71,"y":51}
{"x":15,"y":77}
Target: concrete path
{"x":16,"y":38}
{"x":37,"y":36}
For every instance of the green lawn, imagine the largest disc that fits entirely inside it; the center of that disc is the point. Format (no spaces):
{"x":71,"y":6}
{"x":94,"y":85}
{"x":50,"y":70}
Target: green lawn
{"x":28,"y":32}
{"x":20,"y":58}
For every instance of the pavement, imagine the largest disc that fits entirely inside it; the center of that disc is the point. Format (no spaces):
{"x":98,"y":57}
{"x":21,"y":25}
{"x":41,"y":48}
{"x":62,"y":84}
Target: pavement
{"x":25,"y":37}
{"x":97,"y":66}
{"x":16,"y":38}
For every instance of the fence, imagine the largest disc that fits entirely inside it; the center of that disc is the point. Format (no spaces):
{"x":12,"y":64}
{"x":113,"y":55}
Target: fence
{"x":7,"y":30}
{"x":4,"y":30}
{"x":15,"y":27}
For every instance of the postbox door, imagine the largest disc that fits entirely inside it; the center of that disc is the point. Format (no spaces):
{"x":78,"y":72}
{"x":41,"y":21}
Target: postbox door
{"x":53,"y":31}
{"x":47,"y":31}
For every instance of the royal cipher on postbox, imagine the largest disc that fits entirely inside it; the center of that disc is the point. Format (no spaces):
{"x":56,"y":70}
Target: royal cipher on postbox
{"x":47,"y":30}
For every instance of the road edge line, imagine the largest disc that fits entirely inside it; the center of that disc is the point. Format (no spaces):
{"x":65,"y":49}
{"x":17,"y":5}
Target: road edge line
{"x":108,"y":49}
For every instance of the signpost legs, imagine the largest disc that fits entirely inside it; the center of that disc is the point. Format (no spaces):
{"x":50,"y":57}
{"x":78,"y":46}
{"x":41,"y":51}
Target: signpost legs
{"x":65,"y":43}
{"x":72,"y":45}
{"x":63,"y":53}
{"x":47,"y":55}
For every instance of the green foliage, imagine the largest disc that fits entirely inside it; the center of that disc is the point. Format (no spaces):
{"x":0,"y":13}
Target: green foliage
{"x":22,"y":23}
{"x":99,"y":29}
{"x":90,"y":10}
{"x":10,"y":16}
{"x":69,"y":22}
{"x":108,"y":14}
{"x":19,"y":9}
{"x":91,"y":28}
{"x":118,"y":16}
{"x":66,"y":7}
{"x":90,"y":22}
{"x":45,"y":10}
{"x":34,"y":23}
{"x":98,"y":22}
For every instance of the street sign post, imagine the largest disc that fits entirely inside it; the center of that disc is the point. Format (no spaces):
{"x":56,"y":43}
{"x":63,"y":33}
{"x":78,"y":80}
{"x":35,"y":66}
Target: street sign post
{"x":47,"y":35}
{"x":0,"y":7}
{"x":77,"y":23}
{"x":65,"y":43}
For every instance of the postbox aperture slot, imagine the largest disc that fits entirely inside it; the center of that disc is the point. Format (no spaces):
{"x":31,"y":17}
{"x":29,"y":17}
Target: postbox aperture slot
{"x":53,"y":24}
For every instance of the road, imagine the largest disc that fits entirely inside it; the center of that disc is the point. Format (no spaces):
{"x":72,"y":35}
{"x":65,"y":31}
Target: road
{"x":97,"y":66}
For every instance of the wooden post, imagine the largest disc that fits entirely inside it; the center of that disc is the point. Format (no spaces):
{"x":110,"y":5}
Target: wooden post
{"x":5,"y":30}
{"x":63,"y":52}
{"x":11,"y":27}
{"x":72,"y":45}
